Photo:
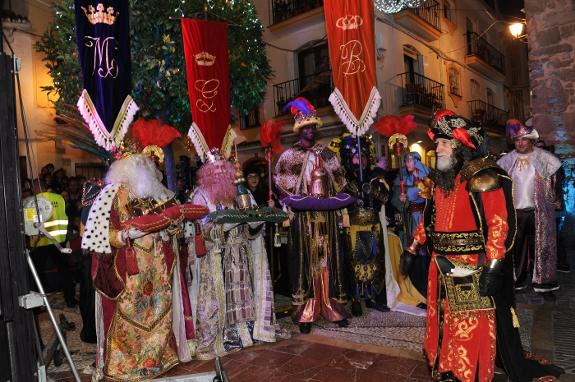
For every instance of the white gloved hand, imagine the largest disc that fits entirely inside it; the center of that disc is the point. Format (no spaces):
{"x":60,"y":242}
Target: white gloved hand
{"x":133,"y":233}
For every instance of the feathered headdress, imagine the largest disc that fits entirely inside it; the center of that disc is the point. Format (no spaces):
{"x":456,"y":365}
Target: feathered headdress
{"x":515,"y":129}
{"x":446,"y":124}
{"x":395,"y":128}
{"x":150,"y":135}
{"x":303,"y":113}
{"x":270,"y":135}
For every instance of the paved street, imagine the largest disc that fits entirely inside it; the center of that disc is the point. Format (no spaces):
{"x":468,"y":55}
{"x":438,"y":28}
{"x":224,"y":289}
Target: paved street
{"x":328,"y":354}
{"x":547,"y":329}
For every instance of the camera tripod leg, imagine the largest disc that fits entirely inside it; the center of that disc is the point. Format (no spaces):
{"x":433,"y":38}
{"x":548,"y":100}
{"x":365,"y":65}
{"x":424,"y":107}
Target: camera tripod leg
{"x":52,"y":317}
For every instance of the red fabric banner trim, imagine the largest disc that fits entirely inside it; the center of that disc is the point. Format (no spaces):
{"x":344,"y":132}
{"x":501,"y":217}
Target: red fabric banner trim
{"x":350,"y":35}
{"x":208,"y":73}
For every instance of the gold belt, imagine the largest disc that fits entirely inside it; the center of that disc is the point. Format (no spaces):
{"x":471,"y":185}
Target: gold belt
{"x":363,"y":216}
{"x":457,"y":243}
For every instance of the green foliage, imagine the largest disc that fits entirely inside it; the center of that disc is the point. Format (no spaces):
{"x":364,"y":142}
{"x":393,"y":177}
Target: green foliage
{"x":158,"y":63}
{"x":61,"y":56}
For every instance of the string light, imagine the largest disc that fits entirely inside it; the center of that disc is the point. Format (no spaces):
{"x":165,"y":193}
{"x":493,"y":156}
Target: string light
{"x":394,"y":6}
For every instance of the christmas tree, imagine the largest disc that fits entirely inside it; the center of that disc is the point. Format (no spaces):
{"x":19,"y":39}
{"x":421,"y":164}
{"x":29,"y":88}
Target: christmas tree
{"x":158,"y":65}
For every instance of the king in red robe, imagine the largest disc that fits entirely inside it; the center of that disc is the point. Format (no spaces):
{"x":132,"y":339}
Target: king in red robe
{"x":468,"y":227}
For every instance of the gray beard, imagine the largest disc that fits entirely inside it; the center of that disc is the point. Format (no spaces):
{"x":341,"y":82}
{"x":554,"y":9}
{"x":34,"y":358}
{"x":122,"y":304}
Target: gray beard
{"x":445,"y":163}
{"x":445,"y":174}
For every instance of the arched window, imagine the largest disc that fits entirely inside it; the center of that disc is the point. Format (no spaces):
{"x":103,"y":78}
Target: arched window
{"x":413,"y":63}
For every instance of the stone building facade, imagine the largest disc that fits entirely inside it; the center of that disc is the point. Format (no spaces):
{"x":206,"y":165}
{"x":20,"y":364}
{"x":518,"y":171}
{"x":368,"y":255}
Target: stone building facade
{"x":551,"y":37}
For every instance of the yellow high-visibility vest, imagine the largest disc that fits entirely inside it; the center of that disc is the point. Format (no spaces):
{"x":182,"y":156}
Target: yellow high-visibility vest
{"x":57,"y":224}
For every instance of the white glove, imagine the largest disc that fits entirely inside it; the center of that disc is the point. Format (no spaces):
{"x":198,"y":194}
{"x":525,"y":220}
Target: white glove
{"x":132,"y":233}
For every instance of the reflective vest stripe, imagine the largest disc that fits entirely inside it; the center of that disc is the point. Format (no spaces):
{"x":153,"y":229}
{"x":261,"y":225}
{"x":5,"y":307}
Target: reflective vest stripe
{"x":55,"y":222}
{"x":58,"y":232}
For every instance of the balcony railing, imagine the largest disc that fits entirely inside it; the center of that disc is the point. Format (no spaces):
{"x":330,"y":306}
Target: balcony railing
{"x":316,"y":88}
{"x":488,"y":115}
{"x":282,"y":10}
{"x":488,"y":53}
{"x":420,"y":91}
{"x":428,"y":12}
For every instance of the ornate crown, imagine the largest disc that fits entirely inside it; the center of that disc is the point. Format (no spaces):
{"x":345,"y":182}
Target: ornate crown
{"x":214,"y":155}
{"x":205,"y":59}
{"x":349,"y":22}
{"x":125,"y":149}
{"x":99,"y":15}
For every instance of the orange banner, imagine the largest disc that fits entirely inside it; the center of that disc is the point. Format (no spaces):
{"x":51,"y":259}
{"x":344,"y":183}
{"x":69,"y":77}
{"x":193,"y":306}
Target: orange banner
{"x":350,"y":36}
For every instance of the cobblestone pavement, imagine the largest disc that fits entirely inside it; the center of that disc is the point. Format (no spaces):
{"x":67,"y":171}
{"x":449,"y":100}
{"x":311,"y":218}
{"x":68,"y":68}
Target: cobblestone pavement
{"x":553,"y":323}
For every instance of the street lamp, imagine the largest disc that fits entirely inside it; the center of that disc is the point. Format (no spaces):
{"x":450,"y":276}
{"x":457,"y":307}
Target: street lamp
{"x":516,"y":29}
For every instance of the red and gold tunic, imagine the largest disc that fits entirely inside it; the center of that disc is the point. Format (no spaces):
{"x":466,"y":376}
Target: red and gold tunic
{"x":143,"y":335}
{"x":467,"y":344}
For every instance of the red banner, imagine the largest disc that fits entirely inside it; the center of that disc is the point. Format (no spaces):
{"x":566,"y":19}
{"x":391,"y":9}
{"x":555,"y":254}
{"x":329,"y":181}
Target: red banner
{"x":207,"y":70}
{"x":350,"y":36}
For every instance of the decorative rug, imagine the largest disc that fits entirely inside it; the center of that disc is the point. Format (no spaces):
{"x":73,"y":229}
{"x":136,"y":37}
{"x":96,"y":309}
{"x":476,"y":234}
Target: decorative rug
{"x":390,"y":329}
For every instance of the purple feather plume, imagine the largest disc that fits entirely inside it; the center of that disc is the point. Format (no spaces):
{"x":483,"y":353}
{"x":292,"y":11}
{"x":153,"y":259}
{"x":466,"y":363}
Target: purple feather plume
{"x":300,"y":105}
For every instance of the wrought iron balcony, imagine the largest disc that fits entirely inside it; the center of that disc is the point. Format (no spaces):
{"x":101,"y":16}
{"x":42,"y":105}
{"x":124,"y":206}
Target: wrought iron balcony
{"x":423,"y":20}
{"x":418,"y":90}
{"x":428,"y":12}
{"x":282,"y":10}
{"x":490,"y":117}
{"x":484,"y":57}
{"x":316,"y":88}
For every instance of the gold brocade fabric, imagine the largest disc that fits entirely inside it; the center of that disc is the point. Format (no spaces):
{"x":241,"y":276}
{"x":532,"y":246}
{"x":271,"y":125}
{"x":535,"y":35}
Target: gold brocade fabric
{"x":140,"y":343}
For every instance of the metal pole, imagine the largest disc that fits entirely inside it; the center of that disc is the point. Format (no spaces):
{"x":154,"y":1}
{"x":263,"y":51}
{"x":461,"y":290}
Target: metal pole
{"x":52,"y":317}
{"x":360,"y":159}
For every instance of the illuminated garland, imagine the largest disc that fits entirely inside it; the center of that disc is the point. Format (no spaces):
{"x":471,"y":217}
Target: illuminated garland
{"x":394,"y":6}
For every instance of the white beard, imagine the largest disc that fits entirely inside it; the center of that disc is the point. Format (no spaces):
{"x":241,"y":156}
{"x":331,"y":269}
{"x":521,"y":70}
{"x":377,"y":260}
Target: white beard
{"x":444,"y":163}
{"x":141,"y":176}
{"x":146,"y":184}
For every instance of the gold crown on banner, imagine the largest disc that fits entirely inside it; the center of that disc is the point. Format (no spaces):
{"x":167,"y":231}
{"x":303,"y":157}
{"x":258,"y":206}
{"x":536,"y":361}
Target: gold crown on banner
{"x":99,"y":15}
{"x":205,"y":59}
{"x":349,"y":22}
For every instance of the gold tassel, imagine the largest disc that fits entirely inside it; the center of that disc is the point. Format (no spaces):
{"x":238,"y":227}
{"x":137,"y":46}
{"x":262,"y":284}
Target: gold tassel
{"x":514,"y":318}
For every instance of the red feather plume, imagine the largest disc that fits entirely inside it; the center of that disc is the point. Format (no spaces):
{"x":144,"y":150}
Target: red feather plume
{"x":270,"y":135}
{"x":442,"y":113}
{"x":393,"y":124}
{"x":154,"y":132}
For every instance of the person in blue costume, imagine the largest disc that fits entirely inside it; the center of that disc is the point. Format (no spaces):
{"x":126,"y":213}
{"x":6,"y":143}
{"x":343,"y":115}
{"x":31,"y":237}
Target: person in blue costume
{"x":407,"y":200}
